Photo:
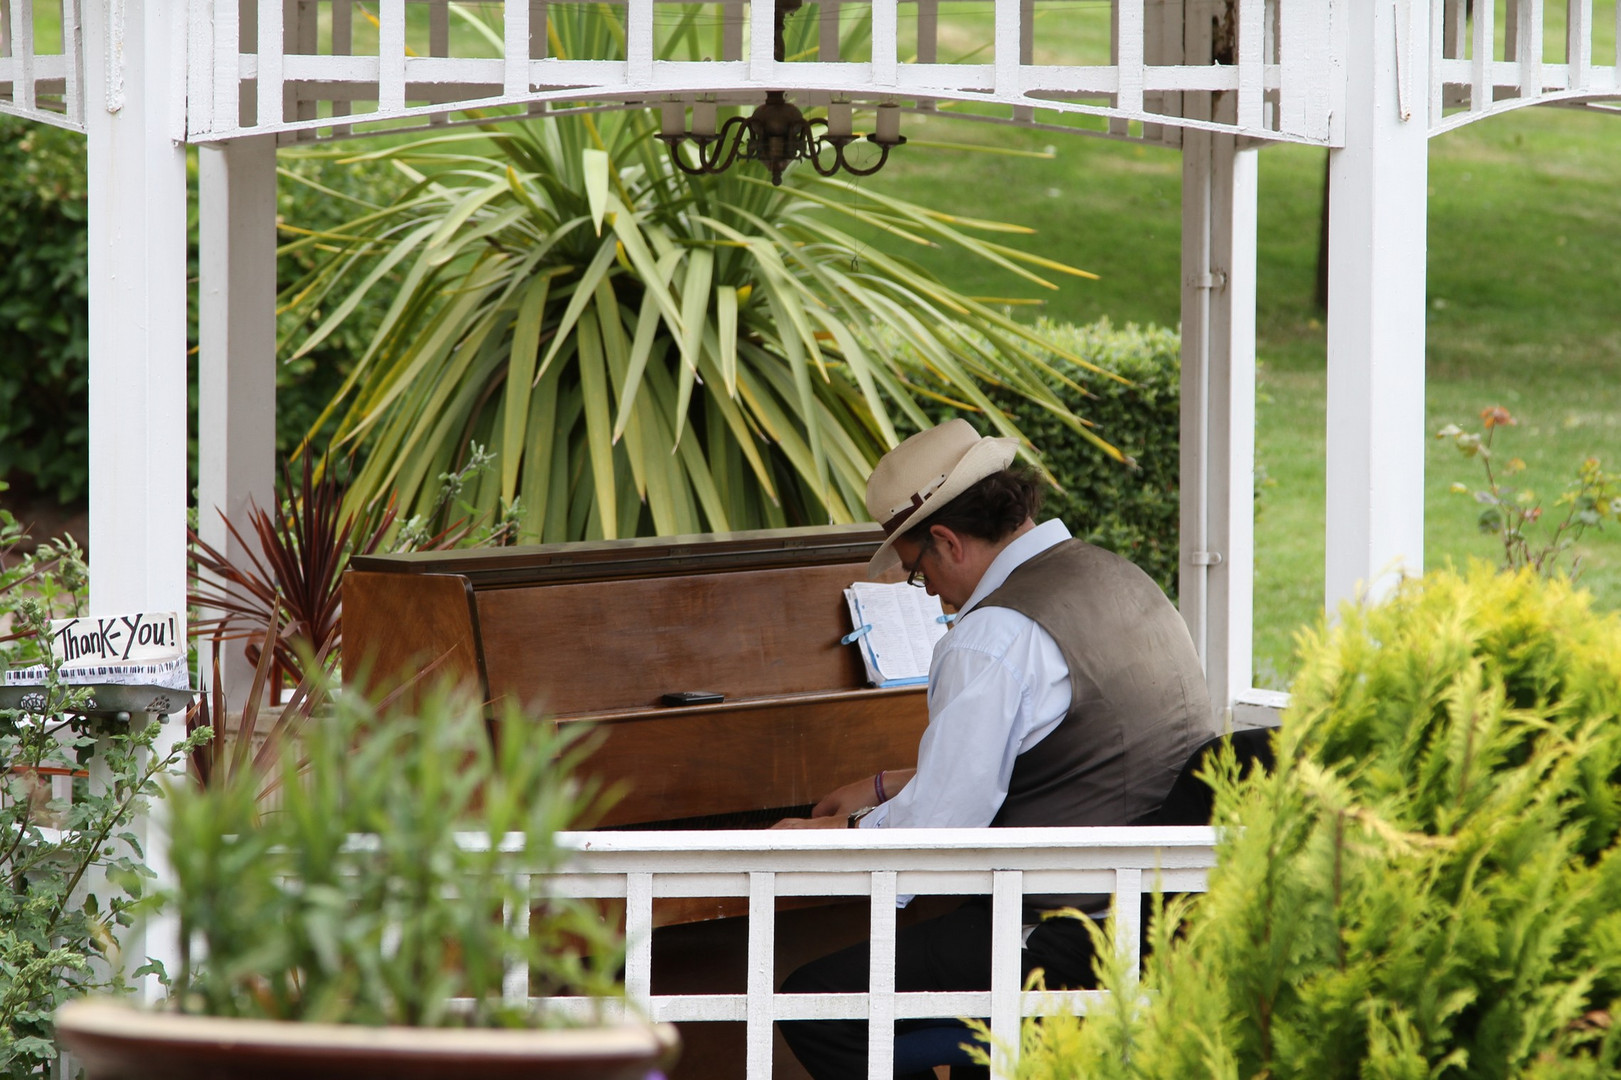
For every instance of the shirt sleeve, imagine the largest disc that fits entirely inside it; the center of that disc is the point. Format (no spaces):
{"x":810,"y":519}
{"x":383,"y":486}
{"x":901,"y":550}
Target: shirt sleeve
{"x":979,"y":708}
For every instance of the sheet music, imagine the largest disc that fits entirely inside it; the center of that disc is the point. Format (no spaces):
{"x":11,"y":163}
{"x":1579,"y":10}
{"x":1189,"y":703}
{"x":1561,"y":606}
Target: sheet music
{"x":172,"y":674}
{"x":903,"y":624}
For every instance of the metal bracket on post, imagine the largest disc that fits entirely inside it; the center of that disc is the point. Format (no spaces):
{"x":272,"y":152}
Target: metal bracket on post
{"x":1214,"y":280}
{"x":1206,"y":558}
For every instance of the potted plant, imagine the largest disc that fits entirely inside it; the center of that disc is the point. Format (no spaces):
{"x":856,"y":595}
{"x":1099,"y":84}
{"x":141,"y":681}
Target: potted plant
{"x":378,"y":919}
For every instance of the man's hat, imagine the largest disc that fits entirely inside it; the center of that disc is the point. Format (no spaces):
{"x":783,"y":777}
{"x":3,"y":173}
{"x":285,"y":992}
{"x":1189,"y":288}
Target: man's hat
{"x":924,"y":473}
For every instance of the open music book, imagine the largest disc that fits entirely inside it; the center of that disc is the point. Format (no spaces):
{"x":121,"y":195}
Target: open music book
{"x":895,"y":627}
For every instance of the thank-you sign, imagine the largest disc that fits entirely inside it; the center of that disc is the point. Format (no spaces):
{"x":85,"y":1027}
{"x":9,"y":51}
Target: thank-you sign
{"x":142,"y":649}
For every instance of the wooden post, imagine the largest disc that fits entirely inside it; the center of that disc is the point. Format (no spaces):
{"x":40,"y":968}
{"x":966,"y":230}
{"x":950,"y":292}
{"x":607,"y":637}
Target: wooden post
{"x":135,"y":123}
{"x":1377,"y":223}
{"x":236,"y":368}
{"x":1220,"y":196}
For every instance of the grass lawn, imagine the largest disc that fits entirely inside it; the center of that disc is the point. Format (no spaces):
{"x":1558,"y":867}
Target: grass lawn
{"x":1524,"y":301}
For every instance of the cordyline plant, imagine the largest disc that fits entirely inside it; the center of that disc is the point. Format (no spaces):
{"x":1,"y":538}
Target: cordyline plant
{"x":289,"y":596}
{"x":1513,"y":514}
{"x":247,"y":749}
{"x":292,"y":580}
{"x":649,"y":352}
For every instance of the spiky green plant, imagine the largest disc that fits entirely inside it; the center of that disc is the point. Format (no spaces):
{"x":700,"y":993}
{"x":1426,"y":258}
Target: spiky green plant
{"x":649,"y":352}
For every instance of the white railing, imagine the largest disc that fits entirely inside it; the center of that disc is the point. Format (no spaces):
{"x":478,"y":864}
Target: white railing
{"x":762,"y":867}
{"x":317,"y":67}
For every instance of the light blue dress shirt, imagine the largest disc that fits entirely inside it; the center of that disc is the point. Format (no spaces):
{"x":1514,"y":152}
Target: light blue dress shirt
{"x":998,"y":685}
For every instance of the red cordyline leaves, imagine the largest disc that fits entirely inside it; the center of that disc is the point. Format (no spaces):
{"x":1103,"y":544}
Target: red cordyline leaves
{"x":231,"y":754}
{"x":294,"y":574}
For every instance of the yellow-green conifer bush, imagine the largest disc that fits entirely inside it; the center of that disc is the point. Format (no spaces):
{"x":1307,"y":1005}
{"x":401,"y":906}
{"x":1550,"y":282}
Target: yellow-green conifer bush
{"x":1427,"y":886}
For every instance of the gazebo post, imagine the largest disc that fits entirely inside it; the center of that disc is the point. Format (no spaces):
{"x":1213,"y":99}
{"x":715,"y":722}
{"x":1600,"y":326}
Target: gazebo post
{"x":135,"y":124}
{"x":1378,"y":193}
{"x":1216,"y":583}
{"x":236,"y":370}
{"x":1220,"y":198}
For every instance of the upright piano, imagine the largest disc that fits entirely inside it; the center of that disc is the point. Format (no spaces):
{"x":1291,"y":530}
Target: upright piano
{"x":598,"y":633}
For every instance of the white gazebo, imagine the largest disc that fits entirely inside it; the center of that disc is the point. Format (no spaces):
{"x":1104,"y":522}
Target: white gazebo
{"x":1221,"y":79}
{"x":1371,"y":80}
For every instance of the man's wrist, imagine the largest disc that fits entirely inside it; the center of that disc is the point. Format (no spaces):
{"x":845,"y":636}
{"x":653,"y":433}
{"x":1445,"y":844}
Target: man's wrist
{"x":854,"y":820}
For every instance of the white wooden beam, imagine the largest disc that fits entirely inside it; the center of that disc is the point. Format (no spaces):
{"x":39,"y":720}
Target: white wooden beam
{"x":1220,"y":199}
{"x":236,"y":368}
{"x":1251,"y":62}
{"x":390,"y":55}
{"x":1377,"y":248}
{"x":1481,"y":54}
{"x":137,"y":283}
{"x":72,"y":59}
{"x":1220,"y":202}
{"x":885,"y":42}
{"x":1579,"y":42}
{"x":22,"y":51}
{"x":639,"y":41}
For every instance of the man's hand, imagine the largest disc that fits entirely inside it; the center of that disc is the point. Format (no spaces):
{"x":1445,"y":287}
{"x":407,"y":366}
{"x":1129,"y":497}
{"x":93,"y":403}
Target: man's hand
{"x":844,"y":801}
{"x":828,"y":822}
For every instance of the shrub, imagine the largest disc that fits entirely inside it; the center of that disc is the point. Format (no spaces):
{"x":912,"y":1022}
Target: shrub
{"x":1130,"y":509}
{"x":44,"y":309}
{"x":1429,"y":885}
{"x":44,"y":301}
{"x":374,"y":893}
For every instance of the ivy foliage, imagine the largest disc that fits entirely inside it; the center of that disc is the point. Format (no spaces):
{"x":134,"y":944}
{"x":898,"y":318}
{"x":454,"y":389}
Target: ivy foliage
{"x":56,"y":939}
{"x":1429,"y":885}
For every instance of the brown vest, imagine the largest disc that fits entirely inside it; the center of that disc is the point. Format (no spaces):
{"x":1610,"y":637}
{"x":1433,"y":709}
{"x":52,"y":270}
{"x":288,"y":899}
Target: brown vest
{"x":1138,"y":702}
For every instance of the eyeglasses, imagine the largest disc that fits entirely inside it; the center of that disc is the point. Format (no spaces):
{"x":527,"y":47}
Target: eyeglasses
{"x":914,"y":573}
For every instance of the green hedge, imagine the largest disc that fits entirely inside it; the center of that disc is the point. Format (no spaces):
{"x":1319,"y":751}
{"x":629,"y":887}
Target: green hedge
{"x":44,"y":309}
{"x":1131,"y":510}
{"x":44,"y":302}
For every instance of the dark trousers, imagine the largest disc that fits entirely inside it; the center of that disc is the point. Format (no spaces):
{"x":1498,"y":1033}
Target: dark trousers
{"x":951,"y":952}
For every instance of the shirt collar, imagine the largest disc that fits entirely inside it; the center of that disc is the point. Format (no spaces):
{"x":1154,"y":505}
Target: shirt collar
{"x":1024,"y":548}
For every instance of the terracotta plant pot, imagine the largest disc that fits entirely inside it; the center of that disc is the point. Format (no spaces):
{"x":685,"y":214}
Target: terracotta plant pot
{"x":116,"y":1042}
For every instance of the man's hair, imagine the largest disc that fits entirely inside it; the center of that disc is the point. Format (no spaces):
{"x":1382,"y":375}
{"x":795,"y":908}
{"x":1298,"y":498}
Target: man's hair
{"x":989,"y":509}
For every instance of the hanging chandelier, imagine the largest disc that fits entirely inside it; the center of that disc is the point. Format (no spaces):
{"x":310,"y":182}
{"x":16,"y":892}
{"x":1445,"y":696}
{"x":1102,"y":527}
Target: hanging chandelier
{"x":776,"y":134}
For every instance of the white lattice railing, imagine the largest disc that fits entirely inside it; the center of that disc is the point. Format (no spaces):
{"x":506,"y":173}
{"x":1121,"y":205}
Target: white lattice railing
{"x":42,"y":83}
{"x":763,"y":866}
{"x":319,"y":67}
{"x":1488,"y":58}
{"x":300,"y":60}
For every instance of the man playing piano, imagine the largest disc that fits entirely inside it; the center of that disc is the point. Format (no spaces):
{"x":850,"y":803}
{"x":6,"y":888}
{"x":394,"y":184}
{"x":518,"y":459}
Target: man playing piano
{"x":1067,"y":692}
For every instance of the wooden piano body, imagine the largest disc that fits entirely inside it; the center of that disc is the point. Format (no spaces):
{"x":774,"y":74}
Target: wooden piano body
{"x":597,"y":633}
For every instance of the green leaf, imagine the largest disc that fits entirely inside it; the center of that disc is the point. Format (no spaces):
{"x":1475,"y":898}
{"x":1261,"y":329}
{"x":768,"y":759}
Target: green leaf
{"x":520,"y":374}
{"x":595,"y":166}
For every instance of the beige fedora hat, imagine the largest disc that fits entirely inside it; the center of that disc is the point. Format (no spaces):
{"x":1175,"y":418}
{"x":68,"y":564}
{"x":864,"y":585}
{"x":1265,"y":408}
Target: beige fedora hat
{"x":924,"y":473}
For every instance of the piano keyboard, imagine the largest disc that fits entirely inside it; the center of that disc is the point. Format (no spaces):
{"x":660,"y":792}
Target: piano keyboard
{"x":741,"y":819}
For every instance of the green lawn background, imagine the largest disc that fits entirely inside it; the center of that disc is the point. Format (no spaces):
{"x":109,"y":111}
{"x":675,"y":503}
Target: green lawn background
{"x":1524,"y":306}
